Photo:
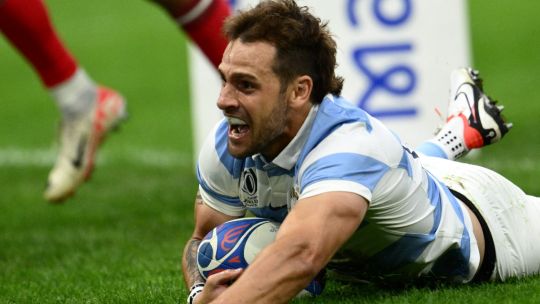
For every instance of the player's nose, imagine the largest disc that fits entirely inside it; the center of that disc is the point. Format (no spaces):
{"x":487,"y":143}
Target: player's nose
{"x":227,"y":98}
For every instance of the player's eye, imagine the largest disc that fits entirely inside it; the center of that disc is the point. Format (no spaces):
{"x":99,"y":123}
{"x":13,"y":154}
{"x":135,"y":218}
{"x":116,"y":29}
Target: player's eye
{"x":245,"y":85}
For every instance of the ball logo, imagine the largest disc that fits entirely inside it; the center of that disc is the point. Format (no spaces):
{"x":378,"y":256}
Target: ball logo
{"x":231,"y":237}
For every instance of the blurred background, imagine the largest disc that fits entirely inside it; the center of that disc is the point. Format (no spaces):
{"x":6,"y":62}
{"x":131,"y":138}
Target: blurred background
{"x":120,"y":238}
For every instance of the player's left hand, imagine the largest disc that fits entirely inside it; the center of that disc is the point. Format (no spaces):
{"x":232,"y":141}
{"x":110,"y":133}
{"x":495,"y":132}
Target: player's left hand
{"x":216,"y":284}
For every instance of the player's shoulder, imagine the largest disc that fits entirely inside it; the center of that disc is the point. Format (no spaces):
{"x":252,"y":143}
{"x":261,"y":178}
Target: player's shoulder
{"x":367,"y":138}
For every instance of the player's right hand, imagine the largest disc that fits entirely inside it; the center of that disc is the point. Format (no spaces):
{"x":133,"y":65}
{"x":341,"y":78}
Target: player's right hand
{"x":216,"y":284}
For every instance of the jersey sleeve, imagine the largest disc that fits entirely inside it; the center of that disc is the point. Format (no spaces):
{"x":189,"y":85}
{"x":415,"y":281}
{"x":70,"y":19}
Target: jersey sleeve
{"x":351,"y":159}
{"x":217,"y":174}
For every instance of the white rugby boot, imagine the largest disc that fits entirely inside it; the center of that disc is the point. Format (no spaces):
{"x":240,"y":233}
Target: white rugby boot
{"x":79,"y":141}
{"x":474,"y":120}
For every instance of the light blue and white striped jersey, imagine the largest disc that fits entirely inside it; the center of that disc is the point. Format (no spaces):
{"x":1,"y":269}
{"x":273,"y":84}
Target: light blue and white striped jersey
{"x":413,"y":227}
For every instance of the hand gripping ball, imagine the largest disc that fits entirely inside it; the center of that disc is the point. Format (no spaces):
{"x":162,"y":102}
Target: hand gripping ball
{"x":234,"y":244}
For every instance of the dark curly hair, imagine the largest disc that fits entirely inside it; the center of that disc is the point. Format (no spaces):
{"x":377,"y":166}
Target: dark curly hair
{"x":303,"y":42}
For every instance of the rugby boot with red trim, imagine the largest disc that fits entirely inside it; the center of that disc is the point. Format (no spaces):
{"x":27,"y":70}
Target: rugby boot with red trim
{"x":474,"y":120}
{"x":79,"y":141}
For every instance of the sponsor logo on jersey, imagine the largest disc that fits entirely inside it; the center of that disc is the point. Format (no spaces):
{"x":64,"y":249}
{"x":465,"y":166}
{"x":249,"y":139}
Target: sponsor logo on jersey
{"x":294,"y":193}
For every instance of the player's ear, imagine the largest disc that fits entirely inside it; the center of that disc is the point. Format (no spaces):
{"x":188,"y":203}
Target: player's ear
{"x":301,"y":89}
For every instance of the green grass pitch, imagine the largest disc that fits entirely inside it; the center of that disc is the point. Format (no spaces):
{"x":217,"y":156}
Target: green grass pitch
{"x":119,"y":240}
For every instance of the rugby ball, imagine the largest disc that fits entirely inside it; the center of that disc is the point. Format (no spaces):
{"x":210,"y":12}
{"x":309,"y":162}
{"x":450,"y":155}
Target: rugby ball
{"x":235,"y":244}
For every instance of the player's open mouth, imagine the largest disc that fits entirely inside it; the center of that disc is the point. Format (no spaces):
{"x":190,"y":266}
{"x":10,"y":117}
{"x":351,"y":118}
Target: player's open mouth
{"x":237,"y":127}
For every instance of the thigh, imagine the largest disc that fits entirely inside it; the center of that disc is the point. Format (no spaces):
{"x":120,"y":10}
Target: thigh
{"x":512,"y":216}
{"x":516,"y":233}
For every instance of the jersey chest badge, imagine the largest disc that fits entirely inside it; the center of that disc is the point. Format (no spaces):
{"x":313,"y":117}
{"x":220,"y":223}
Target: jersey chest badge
{"x":248,"y":188}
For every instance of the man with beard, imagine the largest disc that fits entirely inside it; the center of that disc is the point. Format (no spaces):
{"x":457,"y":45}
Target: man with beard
{"x":349,"y":195}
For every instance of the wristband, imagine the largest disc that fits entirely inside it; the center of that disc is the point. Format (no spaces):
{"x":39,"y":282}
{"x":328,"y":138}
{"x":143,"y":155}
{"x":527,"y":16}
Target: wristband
{"x":194,"y":291}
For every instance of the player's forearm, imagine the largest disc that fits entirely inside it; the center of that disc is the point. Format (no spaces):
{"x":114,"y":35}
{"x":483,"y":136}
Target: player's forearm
{"x":277,"y":275}
{"x":310,"y":235}
{"x":189,"y":263}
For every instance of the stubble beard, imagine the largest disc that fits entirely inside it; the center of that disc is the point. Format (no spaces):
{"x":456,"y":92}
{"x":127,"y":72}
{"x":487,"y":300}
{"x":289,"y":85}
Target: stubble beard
{"x":272,"y":132}
{"x":269,"y":134}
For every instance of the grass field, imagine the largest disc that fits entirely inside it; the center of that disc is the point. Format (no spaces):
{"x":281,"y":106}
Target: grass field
{"x":119,"y":240}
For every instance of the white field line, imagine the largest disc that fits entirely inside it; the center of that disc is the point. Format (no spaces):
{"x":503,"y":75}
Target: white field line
{"x":23,"y":157}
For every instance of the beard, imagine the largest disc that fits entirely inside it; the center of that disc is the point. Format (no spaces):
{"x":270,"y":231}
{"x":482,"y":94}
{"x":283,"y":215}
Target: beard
{"x":272,"y":133}
{"x":268,"y":133}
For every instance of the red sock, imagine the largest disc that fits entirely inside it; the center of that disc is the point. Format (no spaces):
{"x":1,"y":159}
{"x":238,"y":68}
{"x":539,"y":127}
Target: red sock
{"x":27,"y":25}
{"x":205,"y":28}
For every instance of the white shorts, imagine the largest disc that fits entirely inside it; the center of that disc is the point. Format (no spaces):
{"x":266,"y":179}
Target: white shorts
{"x":512,"y":216}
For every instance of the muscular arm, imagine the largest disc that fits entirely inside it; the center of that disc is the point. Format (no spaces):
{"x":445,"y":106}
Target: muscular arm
{"x":206,"y":219}
{"x":312,"y":232}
